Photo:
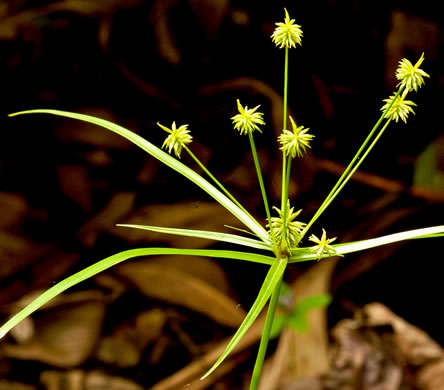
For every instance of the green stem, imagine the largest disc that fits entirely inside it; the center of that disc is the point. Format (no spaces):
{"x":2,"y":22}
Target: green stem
{"x":265,"y":337}
{"x":284,"y":124}
{"x":220,"y":185}
{"x":285,"y":164}
{"x":287,"y":179}
{"x":261,"y":184}
{"x":285,"y":211}
{"x":345,"y":180}
{"x":346,"y":174}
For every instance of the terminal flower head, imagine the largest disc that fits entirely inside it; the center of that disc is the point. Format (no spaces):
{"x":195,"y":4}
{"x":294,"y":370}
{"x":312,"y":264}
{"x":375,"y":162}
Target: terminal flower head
{"x":177,"y":138}
{"x":400,"y":109}
{"x":295,"y":142}
{"x":248,"y":119}
{"x":294,"y":228}
{"x":287,"y":34}
{"x":410,"y":76}
{"x":323,"y":246}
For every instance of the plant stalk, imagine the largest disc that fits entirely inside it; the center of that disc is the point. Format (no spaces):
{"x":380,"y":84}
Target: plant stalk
{"x":284,"y":124}
{"x":261,"y":184}
{"x":346,"y":174}
{"x":265,"y":337}
{"x":219,"y":184}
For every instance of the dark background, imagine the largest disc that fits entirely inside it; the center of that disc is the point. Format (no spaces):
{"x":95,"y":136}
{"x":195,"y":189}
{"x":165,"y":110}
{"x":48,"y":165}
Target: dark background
{"x":141,"y":62}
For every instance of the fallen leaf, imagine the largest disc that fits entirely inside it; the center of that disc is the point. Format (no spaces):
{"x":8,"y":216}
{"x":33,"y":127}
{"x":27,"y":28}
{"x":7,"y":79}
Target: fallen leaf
{"x":119,"y":205}
{"x":65,"y":336}
{"x":416,"y":345}
{"x":81,"y":380}
{"x":7,"y":385}
{"x":124,"y":347}
{"x":162,"y":282}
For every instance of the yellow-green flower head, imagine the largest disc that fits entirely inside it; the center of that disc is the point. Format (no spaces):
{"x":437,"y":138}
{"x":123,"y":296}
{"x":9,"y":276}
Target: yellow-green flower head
{"x":400,"y":108}
{"x":294,"y":228}
{"x":177,"y":138}
{"x":248,"y":119}
{"x":410,"y":75}
{"x":287,"y":34}
{"x":294,"y":142}
{"x":323,"y":247}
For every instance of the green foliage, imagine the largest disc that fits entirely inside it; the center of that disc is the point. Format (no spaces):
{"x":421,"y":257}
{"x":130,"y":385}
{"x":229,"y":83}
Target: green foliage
{"x":297,"y":317}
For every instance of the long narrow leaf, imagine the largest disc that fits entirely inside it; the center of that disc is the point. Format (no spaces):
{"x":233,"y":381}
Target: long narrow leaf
{"x":118,"y":258}
{"x":305,"y":254}
{"x":273,"y":276}
{"x":225,"y":237}
{"x":167,"y":160}
{"x":430,"y":232}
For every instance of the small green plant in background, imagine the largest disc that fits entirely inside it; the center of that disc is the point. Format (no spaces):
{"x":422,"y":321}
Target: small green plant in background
{"x":294,"y":315}
{"x":280,"y":237}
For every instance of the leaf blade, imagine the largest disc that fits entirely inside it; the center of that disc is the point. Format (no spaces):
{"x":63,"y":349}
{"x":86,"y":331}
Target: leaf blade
{"x":167,"y":160}
{"x":305,"y":254}
{"x":273,"y":276}
{"x":110,"y":261}
{"x":225,"y":237}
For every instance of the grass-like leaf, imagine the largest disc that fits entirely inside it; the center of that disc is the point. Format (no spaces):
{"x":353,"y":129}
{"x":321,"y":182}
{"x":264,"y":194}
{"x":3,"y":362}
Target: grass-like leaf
{"x":305,"y":254}
{"x":273,"y":277}
{"x":430,"y":232}
{"x":154,"y":151}
{"x":118,"y":258}
{"x":225,"y":237}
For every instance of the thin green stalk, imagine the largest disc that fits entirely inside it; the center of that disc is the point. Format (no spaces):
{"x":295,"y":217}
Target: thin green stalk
{"x":219,"y":184}
{"x":344,"y":181}
{"x":284,"y":215}
{"x":284,"y":195}
{"x":265,"y":337}
{"x":345,"y":174}
{"x":284,"y":124}
{"x":287,"y":179}
{"x":261,"y":184}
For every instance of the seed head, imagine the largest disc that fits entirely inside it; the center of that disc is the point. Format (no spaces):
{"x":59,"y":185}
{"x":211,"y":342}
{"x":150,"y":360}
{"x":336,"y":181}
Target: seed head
{"x":323,"y":246}
{"x":410,"y":76}
{"x":294,"y":228}
{"x":294,"y":143}
{"x":177,"y":138}
{"x":248,"y":119}
{"x":400,"y":108}
{"x":287,"y":34}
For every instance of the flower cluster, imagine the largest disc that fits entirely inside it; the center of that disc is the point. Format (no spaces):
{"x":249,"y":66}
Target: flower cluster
{"x":287,"y":34}
{"x":293,"y":228}
{"x":323,"y":247}
{"x":177,"y":138}
{"x":248,"y":119}
{"x":410,"y":76}
{"x":400,"y":108}
{"x":294,"y":143}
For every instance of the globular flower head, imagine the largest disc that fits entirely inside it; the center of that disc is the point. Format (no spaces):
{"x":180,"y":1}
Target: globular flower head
{"x":177,"y":138}
{"x":294,"y":142}
{"x":410,"y":76}
{"x":248,"y":119}
{"x":287,"y":34}
{"x":294,"y":228}
{"x":400,"y":108}
{"x":323,"y":247}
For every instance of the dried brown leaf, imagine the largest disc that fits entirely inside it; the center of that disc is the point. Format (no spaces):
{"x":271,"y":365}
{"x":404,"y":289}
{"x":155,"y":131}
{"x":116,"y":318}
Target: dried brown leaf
{"x":180,"y":288}
{"x":64,"y":336}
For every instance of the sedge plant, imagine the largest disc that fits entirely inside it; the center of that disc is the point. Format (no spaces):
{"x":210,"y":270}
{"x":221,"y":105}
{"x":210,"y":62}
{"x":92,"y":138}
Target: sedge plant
{"x":280,"y":237}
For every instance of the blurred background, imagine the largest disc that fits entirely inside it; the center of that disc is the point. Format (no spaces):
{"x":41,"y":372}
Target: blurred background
{"x":64,"y":185}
